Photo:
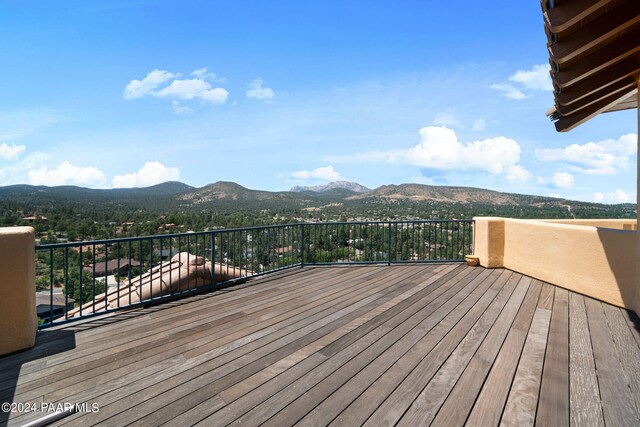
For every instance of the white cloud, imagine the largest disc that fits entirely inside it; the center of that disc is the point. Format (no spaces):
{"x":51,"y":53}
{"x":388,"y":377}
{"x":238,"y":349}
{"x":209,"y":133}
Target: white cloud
{"x":479,"y":125}
{"x":257,"y":91}
{"x":179,"y":108}
{"x":16,"y":173}
{"x":151,"y":173}
{"x":326,"y":173}
{"x":563,"y":180}
{"x":193,"y":88}
{"x":535,"y":79}
{"x":140,"y":88}
{"x":595,"y":158}
{"x":509,"y":91}
{"x":67,"y":174}
{"x":617,"y":196}
{"x":559,"y":180}
{"x":155,"y":84}
{"x":516,"y":173}
{"x":11,"y":152}
{"x":447,"y":118}
{"x":439,"y":148}
{"x":204,"y":74}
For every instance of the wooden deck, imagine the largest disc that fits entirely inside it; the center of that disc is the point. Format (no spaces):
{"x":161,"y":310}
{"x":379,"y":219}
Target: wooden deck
{"x":408,"y":345}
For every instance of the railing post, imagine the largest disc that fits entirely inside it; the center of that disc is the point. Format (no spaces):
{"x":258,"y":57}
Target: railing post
{"x":389,"y":245}
{"x":302,"y":243}
{"x":213,"y":260}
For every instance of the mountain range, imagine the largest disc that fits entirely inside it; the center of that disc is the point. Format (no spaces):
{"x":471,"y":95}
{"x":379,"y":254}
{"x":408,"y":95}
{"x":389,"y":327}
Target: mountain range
{"x":344,"y":185}
{"x":229,"y":196}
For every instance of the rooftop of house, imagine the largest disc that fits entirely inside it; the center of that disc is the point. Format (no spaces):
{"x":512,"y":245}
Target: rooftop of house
{"x":111,"y":266}
{"x":442,"y":344}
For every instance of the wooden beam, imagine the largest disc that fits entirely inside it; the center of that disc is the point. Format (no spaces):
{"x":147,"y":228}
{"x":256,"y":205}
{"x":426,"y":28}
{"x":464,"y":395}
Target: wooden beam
{"x":598,"y":31}
{"x":626,"y":104}
{"x":571,"y":12}
{"x":625,"y":86}
{"x":626,"y":68}
{"x":565,"y":124}
{"x":599,"y":60}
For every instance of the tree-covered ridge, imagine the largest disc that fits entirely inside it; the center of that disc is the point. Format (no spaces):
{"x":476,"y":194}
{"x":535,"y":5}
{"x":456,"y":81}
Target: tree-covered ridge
{"x":77,"y":213}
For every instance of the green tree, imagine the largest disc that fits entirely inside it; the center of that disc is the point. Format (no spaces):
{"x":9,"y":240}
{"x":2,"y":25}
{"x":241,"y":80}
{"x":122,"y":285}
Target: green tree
{"x":82,"y":287}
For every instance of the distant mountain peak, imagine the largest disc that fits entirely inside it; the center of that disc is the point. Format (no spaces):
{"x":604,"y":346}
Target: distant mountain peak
{"x":342,"y":185}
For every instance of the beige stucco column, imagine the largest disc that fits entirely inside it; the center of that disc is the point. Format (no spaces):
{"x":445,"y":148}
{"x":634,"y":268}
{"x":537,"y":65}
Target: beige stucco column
{"x":488,"y":241}
{"x":18,"y":319}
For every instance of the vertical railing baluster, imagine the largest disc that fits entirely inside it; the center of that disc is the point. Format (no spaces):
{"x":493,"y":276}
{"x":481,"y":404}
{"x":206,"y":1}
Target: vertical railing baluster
{"x":80,"y":287}
{"x":66,"y":281}
{"x":51,"y":287}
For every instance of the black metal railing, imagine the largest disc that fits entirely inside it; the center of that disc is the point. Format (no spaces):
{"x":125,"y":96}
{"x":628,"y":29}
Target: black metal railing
{"x":80,"y":279}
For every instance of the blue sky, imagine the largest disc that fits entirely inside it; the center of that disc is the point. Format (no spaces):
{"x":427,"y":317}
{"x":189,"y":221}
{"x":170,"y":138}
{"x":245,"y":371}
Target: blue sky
{"x":281,"y":93}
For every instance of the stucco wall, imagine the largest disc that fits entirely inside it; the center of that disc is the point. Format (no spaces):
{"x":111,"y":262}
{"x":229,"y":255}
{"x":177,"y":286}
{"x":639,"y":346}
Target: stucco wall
{"x":595,"y":261}
{"x":18,"y":320}
{"x":620,"y":224}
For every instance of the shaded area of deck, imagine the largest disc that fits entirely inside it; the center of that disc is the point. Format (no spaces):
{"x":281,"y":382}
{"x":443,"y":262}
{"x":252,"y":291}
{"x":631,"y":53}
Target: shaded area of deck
{"x":408,"y":345}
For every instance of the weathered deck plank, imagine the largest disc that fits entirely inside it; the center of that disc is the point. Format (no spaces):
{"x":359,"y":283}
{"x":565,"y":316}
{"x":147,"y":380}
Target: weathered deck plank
{"x":584,"y":397}
{"x":215,"y":364}
{"x":487,"y":410}
{"x":439,"y":344}
{"x":520,"y":409}
{"x":459,"y":402}
{"x":553,"y":406}
{"x":367,"y":348}
{"x":394,"y":407}
{"x":618,"y":406}
{"x":366,"y":403}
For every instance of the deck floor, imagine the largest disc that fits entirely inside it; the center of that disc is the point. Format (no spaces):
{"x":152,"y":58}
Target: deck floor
{"x":440,"y":344}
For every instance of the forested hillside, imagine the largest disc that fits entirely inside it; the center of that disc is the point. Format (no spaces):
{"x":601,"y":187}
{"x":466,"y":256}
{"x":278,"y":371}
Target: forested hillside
{"x":75,"y":213}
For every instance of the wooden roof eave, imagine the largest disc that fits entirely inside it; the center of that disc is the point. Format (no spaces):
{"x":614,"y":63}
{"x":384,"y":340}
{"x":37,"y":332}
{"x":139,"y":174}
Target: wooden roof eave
{"x":631,"y":101}
{"x":594,"y":54}
{"x":628,"y":67}
{"x":566,"y":123}
{"x":623,"y":87}
{"x":595,"y":33}
{"x":568,"y":13}
{"x":599,"y":60}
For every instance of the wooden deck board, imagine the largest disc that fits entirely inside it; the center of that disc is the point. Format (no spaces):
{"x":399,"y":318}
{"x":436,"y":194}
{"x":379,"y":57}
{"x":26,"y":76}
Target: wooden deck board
{"x":553,"y":406}
{"x":198,"y":399}
{"x":520,"y":409}
{"x":488,"y":407}
{"x":137,"y":340}
{"x":394,"y":407}
{"x":367,"y":348}
{"x":458,"y":404}
{"x":440,"y":344}
{"x":213,"y":365}
{"x":428,"y":403}
{"x":584,"y":398}
{"x":617,"y":405}
{"x":387,"y":363}
{"x":304,"y":404}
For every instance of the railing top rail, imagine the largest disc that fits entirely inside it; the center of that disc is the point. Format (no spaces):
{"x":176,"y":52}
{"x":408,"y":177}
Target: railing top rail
{"x":226,"y":230}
